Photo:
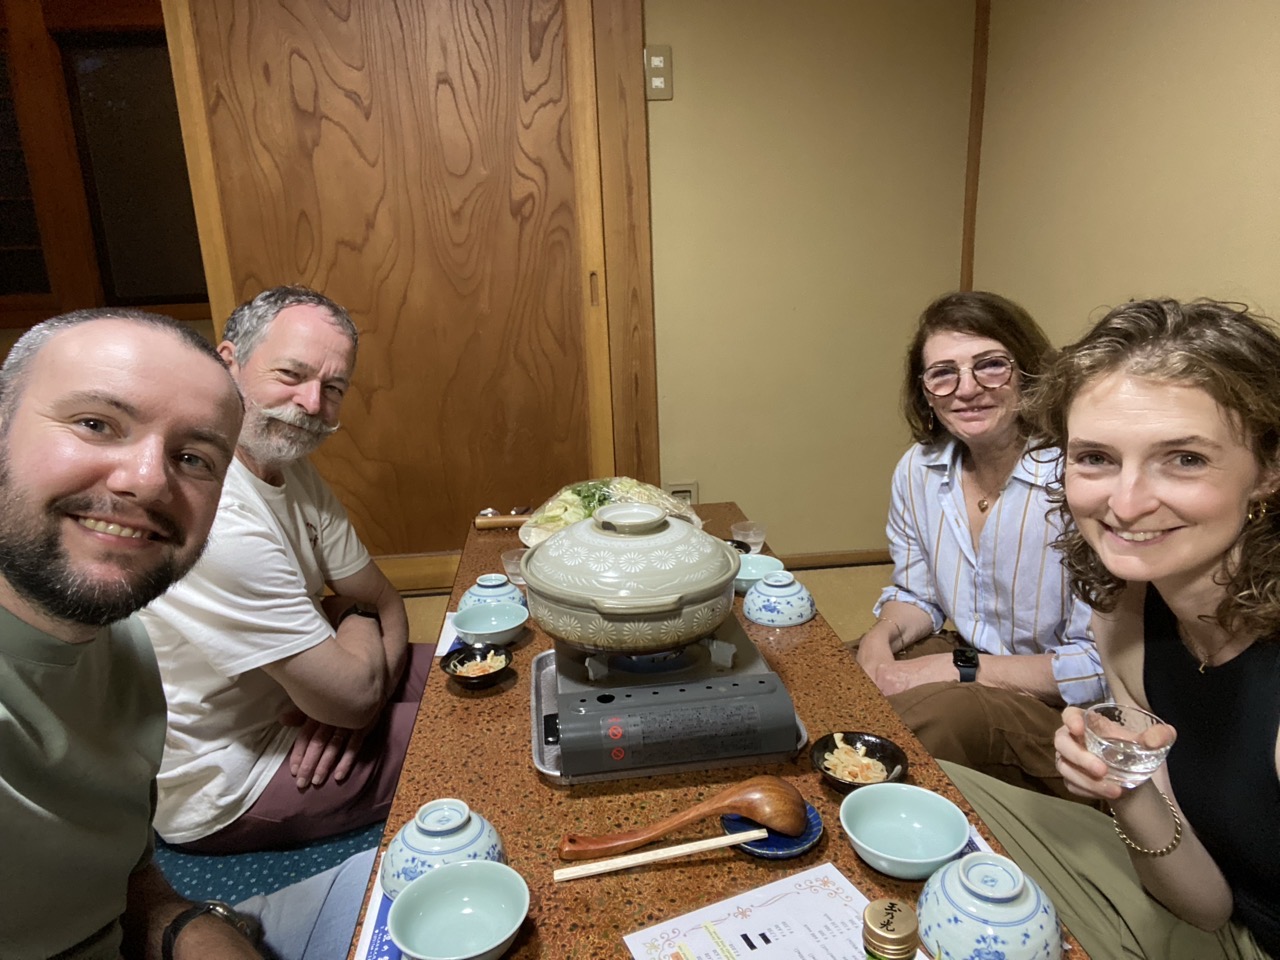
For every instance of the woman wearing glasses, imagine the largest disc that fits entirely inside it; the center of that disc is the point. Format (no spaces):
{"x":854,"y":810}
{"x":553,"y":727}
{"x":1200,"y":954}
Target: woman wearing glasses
{"x":971,"y":542}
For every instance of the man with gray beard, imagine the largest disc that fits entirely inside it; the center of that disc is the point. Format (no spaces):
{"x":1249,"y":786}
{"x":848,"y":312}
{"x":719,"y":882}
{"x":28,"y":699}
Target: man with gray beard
{"x":117,"y":428}
{"x":289,"y":710}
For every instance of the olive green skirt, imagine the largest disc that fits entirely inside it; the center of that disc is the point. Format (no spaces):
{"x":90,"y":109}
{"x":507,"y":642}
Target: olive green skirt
{"x":1072,"y":851}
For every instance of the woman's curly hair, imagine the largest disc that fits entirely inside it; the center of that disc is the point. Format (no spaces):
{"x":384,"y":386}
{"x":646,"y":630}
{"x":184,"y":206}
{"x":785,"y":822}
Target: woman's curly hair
{"x":1232,"y":355}
{"x":979,"y":314}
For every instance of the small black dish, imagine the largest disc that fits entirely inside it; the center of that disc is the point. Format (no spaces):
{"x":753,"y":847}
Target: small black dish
{"x":877,"y":748}
{"x":453,"y":661}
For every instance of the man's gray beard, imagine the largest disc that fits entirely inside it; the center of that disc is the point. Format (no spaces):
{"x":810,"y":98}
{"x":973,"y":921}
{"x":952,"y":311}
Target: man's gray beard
{"x":34,"y":562}
{"x":267,"y":442}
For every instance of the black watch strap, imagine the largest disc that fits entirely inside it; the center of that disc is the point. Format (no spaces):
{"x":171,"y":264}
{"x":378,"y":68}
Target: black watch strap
{"x":360,"y":610}
{"x":966,"y":662}
{"x":217,"y":908}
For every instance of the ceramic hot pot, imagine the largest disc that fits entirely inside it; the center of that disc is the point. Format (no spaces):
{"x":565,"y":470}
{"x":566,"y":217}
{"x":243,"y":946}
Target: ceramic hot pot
{"x":630,"y":580}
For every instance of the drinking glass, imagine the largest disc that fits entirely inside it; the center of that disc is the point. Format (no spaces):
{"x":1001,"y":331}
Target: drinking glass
{"x":750,"y":533}
{"x":511,"y":564}
{"x":1133,"y":742}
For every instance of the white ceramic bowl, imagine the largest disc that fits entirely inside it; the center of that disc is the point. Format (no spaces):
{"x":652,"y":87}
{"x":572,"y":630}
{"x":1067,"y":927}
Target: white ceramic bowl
{"x":470,"y":910}
{"x":443,"y":831}
{"x":492,"y":588}
{"x":779,"y":600}
{"x":903,"y":830}
{"x":496,"y":623}
{"x":753,"y":566}
{"x":984,"y":905}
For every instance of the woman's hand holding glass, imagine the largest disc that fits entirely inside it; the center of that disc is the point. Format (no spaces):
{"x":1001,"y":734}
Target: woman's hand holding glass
{"x":1086,"y":773}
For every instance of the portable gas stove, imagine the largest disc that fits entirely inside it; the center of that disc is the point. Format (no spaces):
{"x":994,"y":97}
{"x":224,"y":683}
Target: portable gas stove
{"x":713,"y":703}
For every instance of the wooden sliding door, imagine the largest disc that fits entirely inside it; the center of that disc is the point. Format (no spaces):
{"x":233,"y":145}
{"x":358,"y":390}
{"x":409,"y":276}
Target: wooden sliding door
{"x":434,"y":166}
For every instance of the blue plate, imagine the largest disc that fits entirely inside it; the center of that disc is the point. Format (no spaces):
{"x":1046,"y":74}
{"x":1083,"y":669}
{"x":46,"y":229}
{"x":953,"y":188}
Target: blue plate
{"x":776,"y":846}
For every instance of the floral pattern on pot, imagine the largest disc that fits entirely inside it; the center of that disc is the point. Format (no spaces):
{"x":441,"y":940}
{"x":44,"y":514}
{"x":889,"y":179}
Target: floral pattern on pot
{"x":630,"y":580}
{"x":595,"y":632}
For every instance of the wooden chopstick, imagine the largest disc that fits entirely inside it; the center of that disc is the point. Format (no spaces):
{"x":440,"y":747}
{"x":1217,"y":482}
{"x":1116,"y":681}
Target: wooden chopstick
{"x":653,"y":856}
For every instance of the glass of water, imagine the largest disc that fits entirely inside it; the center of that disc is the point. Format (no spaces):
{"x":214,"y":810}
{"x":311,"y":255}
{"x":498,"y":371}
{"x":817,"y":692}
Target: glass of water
{"x":511,"y":564}
{"x":750,"y":533}
{"x":1133,"y":742}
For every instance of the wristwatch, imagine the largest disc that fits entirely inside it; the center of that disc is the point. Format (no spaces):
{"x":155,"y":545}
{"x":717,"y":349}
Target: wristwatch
{"x":360,"y":610}
{"x":966,"y":661}
{"x":223,"y":911}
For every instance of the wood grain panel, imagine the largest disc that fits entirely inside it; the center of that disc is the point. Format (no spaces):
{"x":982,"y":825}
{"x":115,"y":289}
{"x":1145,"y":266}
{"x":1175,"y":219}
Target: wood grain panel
{"x":414,"y":160}
{"x":198,"y":149}
{"x":624,"y":177}
{"x":595,"y":299}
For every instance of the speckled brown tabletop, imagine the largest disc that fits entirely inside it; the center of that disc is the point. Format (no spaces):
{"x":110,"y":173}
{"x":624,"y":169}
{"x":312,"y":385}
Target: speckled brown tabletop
{"x":475,"y":745}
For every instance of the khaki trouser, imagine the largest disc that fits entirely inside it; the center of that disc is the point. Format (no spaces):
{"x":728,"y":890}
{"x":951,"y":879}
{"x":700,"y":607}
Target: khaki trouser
{"x":1072,"y":851}
{"x":1004,"y":734}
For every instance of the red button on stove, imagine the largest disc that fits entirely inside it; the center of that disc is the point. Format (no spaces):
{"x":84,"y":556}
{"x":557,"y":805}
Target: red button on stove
{"x":615,"y":733}
{"x":618,"y":753}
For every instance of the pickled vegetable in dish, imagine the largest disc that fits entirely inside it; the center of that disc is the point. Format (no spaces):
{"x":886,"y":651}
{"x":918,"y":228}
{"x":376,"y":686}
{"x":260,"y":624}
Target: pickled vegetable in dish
{"x":479,"y":668}
{"x":852,"y":763}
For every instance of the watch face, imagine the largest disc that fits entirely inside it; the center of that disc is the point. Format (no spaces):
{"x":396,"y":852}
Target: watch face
{"x":965,"y":657}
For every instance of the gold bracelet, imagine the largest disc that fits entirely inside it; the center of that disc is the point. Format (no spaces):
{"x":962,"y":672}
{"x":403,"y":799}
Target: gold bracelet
{"x":890,"y":620}
{"x":1169,"y":847}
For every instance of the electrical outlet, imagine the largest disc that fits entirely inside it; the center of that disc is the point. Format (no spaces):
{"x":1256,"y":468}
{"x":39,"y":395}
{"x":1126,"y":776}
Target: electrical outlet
{"x":657,"y":72}
{"x":686,"y":490}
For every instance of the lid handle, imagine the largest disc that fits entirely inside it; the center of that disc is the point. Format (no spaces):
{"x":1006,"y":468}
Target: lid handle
{"x":627,"y":605}
{"x":630,"y":519}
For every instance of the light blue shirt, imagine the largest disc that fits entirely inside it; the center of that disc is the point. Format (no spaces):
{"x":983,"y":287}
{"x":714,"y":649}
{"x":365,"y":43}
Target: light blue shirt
{"x":1010,"y":594}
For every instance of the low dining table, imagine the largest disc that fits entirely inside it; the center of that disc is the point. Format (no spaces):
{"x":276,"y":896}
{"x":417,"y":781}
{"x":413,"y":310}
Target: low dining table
{"x":475,"y":745}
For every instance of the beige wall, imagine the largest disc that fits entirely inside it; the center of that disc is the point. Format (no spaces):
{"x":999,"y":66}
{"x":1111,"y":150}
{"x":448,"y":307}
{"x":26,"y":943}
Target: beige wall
{"x":807,"y":184}
{"x":1131,"y":149}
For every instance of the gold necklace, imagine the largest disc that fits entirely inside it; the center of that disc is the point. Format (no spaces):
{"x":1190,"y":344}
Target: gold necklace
{"x":984,"y":500}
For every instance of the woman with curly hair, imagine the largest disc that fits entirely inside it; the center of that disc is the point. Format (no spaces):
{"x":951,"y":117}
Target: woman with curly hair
{"x":971,"y":544}
{"x":1168,"y":417}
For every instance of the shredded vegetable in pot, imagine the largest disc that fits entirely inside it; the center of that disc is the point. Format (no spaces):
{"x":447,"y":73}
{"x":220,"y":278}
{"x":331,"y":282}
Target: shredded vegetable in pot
{"x":577,"y":501}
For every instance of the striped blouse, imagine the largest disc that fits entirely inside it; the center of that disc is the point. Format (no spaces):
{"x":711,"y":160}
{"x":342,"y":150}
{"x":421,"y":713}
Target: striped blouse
{"x":1011,"y":594}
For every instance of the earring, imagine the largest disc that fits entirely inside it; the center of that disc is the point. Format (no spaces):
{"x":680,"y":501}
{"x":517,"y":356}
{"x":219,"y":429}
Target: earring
{"x":931,"y":421}
{"x":1257,"y":511}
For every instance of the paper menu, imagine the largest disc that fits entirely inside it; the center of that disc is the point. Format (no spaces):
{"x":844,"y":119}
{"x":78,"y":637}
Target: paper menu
{"x":374,"y":942}
{"x":449,"y":639}
{"x":812,"y":915}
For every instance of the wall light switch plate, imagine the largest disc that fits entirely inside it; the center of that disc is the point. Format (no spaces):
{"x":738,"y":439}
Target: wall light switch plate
{"x":686,"y":490}
{"x":657,"y":72}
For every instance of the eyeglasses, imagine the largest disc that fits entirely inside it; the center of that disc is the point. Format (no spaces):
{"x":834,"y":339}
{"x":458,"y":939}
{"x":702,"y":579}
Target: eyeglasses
{"x":989,"y":372}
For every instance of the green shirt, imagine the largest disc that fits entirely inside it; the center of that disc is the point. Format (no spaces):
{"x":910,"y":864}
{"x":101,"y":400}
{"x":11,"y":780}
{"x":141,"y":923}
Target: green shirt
{"x":82,"y":729}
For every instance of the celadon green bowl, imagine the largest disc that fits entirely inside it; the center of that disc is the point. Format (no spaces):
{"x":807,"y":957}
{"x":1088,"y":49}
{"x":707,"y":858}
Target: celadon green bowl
{"x":495,"y":623}
{"x":903,"y":830}
{"x":467,"y":910}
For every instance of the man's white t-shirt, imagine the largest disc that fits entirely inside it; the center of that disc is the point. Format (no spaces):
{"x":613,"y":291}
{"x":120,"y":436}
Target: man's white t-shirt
{"x":254,"y":598}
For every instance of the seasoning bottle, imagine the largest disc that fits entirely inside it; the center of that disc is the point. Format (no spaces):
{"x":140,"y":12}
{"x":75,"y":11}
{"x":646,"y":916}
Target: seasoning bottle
{"x":889,"y":930}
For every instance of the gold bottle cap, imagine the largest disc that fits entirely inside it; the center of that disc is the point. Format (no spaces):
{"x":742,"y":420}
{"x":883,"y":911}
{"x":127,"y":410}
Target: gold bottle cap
{"x":889,"y":929}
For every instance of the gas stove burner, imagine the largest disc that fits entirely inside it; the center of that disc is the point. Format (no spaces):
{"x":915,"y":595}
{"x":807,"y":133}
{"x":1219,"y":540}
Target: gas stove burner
{"x":665,"y":662}
{"x":713,"y":703}
{"x":702,"y":654}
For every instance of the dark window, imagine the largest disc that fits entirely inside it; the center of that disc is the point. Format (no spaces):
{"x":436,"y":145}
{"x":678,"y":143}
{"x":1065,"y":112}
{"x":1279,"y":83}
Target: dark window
{"x":22,"y":267}
{"x":126,"y":116}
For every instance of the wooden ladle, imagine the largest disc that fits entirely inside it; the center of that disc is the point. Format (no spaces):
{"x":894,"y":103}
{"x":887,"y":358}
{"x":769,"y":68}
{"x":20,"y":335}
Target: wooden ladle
{"x":769,"y":801}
